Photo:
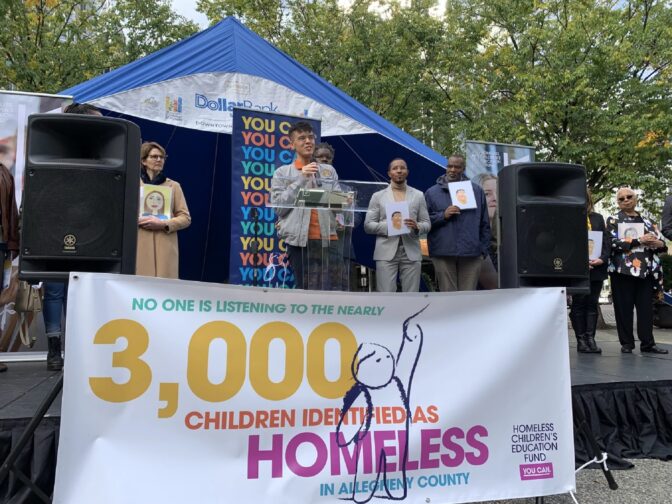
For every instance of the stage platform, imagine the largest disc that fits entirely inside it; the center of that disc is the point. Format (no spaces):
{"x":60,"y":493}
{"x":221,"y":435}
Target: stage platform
{"x":626,"y":399}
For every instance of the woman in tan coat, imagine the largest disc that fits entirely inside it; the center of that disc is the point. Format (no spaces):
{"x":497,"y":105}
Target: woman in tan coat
{"x":157,"y":239}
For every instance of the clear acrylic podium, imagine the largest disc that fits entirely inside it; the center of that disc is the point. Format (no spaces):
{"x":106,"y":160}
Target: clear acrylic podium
{"x":321,"y":213}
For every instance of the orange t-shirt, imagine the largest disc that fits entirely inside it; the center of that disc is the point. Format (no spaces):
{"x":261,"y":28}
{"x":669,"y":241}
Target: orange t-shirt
{"x":314,"y":225}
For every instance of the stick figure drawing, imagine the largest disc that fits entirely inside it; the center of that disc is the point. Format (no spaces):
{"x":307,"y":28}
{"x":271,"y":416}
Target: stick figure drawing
{"x":380,"y":380}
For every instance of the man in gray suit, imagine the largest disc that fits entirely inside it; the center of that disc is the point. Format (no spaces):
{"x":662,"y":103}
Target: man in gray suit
{"x":397,"y":254}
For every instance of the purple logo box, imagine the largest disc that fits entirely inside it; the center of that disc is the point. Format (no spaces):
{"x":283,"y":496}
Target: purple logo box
{"x":536,"y":471}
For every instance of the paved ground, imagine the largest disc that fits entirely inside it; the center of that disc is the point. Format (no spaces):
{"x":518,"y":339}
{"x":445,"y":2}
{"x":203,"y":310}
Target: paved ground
{"x":649,"y":482}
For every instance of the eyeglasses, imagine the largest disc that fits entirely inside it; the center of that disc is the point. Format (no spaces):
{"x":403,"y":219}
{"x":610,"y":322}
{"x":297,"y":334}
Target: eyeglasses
{"x":626,"y":197}
{"x":157,"y":157}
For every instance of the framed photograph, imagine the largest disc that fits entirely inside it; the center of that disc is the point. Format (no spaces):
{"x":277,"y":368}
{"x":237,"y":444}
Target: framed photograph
{"x":595,"y":244}
{"x":156,"y":201}
{"x":462,"y":194}
{"x":396,"y":213}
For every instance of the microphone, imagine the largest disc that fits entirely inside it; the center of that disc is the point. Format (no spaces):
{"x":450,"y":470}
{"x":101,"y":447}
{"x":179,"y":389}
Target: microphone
{"x":318,"y":181}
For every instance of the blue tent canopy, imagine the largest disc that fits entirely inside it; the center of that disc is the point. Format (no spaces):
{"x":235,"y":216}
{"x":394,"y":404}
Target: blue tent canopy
{"x":182,"y":97}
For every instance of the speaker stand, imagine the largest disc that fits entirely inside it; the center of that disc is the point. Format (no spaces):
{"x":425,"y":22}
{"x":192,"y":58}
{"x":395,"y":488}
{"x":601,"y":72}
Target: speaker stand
{"x":592,"y":442}
{"x":8,"y":464}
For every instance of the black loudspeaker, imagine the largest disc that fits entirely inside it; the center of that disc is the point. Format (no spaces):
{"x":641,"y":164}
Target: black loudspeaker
{"x":543,"y":240}
{"x":81,"y":196}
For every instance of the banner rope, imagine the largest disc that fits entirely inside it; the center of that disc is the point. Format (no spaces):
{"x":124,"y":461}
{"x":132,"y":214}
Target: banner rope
{"x":595,"y":460}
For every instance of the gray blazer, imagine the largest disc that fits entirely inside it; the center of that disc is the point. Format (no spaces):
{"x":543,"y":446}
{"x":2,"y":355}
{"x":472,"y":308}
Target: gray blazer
{"x":376,"y":223}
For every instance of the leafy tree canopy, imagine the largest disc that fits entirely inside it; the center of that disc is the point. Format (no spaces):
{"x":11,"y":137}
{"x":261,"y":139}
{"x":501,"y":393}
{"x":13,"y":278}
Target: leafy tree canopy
{"x":583,"y":81}
{"x":49,"y":45}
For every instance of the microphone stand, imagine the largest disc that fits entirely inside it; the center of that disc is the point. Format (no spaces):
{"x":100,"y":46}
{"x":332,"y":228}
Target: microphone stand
{"x":255,"y":247}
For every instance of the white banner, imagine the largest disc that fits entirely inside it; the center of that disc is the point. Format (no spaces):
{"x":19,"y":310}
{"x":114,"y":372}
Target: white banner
{"x":206,"y":101}
{"x":187,"y":392}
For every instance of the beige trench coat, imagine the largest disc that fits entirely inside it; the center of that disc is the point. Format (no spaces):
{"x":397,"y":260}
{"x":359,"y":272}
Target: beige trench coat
{"x":158,"y":254}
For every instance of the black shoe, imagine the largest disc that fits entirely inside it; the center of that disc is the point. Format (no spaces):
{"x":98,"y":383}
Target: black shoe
{"x":3,"y":367}
{"x":654,"y":349}
{"x":592,"y":346}
{"x":54,"y":359}
{"x":626,"y":349}
{"x":581,"y":345}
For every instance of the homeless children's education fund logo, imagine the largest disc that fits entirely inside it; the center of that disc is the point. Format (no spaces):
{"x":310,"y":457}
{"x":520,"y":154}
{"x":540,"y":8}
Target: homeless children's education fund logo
{"x":535,"y":442}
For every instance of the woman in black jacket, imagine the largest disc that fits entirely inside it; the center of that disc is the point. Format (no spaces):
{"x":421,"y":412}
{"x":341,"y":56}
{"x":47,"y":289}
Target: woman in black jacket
{"x":635,"y":272}
{"x":584,"y":309}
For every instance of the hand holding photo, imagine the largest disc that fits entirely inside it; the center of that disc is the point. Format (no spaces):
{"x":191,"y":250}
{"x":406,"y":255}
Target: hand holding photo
{"x":629,"y":231}
{"x":462,"y":194}
{"x":155,"y":201}
{"x":396,"y":213}
{"x":594,"y":244}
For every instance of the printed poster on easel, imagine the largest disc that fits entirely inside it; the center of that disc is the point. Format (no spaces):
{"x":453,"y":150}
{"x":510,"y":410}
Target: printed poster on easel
{"x":15,"y":107}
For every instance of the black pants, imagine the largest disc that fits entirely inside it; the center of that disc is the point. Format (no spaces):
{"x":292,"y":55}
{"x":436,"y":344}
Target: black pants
{"x":317,"y":267}
{"x":630,"y":292}
{"x":583,"y":312}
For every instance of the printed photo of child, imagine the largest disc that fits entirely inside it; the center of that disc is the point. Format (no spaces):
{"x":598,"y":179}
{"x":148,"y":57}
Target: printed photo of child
{"x":155,"y":201}
{"x":462,"y":194}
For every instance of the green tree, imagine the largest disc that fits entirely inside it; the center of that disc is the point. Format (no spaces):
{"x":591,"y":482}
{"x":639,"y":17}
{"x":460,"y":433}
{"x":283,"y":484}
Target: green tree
{"x":144,"y":26}
{"x":583,"y":81}
{"x":267,"y":18}
{"x":379,"y":52}
{"x":49,"y":45}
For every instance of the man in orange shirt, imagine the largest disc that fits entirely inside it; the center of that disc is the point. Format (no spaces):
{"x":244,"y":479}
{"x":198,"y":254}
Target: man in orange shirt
{"x":309,"y":234}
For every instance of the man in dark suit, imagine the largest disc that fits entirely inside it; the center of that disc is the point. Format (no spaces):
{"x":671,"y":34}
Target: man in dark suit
{"x":459,"y":239}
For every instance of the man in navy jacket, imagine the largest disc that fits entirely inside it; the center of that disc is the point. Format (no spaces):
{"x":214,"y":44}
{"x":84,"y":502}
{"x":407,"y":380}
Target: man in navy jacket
{"x":459,"y":239}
